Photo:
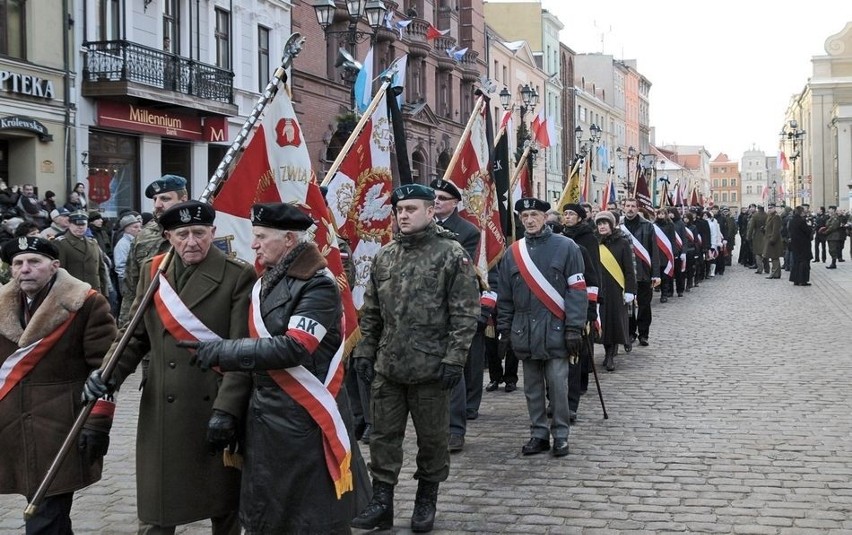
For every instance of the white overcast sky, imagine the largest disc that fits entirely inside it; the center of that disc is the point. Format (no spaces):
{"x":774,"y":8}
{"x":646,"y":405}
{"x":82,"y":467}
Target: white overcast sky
{"x":722,"y":72}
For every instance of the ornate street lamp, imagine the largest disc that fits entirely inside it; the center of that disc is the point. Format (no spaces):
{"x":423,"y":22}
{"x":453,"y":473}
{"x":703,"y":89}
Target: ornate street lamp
{"x":631,"y":153}
{"x":792,"y":135}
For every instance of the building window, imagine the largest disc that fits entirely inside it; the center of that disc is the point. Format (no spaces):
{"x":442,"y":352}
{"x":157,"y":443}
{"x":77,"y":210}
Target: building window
{"x":171,"y":26}
{"x":223,"y":39}
{"x":724,"y":182}
{"x":109,"y":12}
{"x":715,"y":182}
{"x":13,"y":23}
{"x":733,"y":182}
{"x":263,"y":73}
{"x":748,"y":190}
{"x":733,"y":196}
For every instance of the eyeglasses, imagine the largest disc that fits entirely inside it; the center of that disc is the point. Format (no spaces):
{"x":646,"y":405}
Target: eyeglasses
{"x":444,"y":198}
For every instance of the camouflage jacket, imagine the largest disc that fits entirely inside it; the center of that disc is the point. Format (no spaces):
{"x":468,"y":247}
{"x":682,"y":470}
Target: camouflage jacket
{"x":148,"y":243}
{"x":420,"y":307}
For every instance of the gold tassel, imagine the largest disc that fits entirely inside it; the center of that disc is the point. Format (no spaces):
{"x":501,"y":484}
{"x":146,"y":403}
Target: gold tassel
{"x":344,"y":484}
{"x":232,"y":460}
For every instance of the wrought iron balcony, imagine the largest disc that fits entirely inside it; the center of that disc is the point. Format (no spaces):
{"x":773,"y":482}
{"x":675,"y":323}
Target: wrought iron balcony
{"x":126,"y":62}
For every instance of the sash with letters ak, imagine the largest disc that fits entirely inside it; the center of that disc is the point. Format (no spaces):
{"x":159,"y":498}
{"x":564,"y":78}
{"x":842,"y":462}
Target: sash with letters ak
{"x":318,"y":398}
{"x":21,"y":362}
{"x":538,"y":283}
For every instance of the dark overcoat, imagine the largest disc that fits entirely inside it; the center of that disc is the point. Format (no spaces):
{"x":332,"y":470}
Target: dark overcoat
{"x":612,"y":309}
{"x":36,"y":415}
{"x":82,"y":258}
{"x":801,"y":235}
{"x":177,"y":480}
{"x":466,"y":233}
{"x":774,"y":247}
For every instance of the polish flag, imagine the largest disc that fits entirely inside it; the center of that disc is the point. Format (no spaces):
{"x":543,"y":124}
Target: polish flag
{"x":434,"y":33}
{"x":544,"y":130}
{"x":783,"y":164}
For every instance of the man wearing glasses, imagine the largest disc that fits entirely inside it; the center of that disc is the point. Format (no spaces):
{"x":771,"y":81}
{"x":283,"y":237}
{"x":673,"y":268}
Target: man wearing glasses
{"x":447,"y":198}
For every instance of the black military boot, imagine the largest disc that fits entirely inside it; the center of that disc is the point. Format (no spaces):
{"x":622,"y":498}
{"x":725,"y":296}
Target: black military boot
{"x":379,"y":512}
{"x":424,"y":507}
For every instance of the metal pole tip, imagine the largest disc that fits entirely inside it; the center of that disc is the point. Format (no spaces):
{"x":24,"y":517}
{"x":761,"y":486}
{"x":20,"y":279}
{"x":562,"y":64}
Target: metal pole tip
{"x":30,"y":512}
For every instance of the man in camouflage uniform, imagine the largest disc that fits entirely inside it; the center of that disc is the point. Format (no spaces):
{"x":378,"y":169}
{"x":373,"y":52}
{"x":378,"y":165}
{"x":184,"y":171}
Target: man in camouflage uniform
{"x":422,"y":303}
{"x":835,"y":235}
{"x":166,"y":192}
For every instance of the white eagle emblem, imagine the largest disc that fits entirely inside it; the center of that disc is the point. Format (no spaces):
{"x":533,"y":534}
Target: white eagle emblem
{"x":22,"y":244}
{"x":185,"y":216}
{"x":375,"y":206}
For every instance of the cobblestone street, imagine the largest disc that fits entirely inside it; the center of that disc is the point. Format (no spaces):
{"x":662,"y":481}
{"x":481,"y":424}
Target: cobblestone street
{"x":736,"y":419}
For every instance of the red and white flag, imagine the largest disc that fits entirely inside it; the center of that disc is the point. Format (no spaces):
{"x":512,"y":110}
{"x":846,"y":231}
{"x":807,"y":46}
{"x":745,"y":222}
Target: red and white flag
{"x":472,"y":176}
{"x":434,"y":33}
{"x":544,"y":130}
{"x":359,"y":197}
{"x":276,"y":167}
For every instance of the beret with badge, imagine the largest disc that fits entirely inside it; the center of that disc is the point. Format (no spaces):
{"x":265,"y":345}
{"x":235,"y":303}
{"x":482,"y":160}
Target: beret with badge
{"x":28,"y":244}
{"x":531,"y":203}
{"x":165,"y":184}
{"x":412,"y":191}
{"x":447,"y":187}
{"x":186,"y":214}
{"x":280,"y":215}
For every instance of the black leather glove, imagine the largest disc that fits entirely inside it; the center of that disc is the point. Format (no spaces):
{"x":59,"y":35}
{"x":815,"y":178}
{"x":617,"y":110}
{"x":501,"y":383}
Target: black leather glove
{"x":365,"y":368}
{"x":96,"y":388}
{"x":592,"y":313}
{"x":573,"y":341}
{"x":229,"y":355}
{"x":221,"y":431}
{"x":92,"y":444}
{"x":451,"y":374}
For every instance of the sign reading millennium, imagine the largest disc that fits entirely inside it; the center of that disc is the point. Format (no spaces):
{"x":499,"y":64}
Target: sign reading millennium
{"x":138,"y":119}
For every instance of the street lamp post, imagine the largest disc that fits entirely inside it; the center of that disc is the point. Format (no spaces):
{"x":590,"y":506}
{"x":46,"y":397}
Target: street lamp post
{"x":792,"y":135}
{"x":631,"y":153}
{"x":373,"y":10}
{"x":587,"y":146}
{"x":774,"y":192}
{"x":529,"y":100}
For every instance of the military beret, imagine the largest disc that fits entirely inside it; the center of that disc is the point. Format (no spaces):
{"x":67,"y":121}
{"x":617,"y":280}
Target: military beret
{"x":280,"y":215}
{"x":606,"y":215}
{"x":772,"y":205}
{"x":28,"y":244}
{"x":187,"y":213}
{"x":576,"y":208}
{"x":164,"y":184}
{"x":412,"y":191}
{"x":78,"y":216}
{"x":446,"y":187}
{"x":58,"y":212}
{"x":531,"y":203}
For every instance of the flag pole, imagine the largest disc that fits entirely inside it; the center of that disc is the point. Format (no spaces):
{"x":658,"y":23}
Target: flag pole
{"x":520,"y":167}
{"x":463,"y":139}
{"x":291,"y":49}
{"x":380,"y":94}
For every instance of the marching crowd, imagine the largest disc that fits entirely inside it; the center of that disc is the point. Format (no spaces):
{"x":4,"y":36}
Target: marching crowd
{"x":252,"y":369}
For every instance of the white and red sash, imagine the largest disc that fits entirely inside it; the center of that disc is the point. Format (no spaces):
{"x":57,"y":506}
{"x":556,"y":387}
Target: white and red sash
{"x":318,"y":398}
{"x":538,"y":283}
{"x":21,"y":362}
{"x":177,"y":318}
{"x":665,"y":245}
{"x":690,"y":235}
{"x":638,"y":249}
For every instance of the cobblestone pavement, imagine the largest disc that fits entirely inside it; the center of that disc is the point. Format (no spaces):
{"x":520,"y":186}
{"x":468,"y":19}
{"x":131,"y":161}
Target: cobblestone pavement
{"x":736,"y":419}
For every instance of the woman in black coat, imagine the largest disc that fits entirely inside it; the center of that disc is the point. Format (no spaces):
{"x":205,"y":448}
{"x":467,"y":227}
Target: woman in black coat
{"x":800,"y":234}
{"x":616,"y":292}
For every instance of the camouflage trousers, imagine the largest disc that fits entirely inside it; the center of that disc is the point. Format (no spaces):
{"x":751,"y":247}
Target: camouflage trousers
{"x":429,"y":406}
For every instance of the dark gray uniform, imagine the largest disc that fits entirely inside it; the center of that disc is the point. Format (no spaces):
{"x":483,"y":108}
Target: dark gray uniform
{"x":537,"y":335}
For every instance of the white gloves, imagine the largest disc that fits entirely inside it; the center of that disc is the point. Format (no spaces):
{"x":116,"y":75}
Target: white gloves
{"x":628,"y":298}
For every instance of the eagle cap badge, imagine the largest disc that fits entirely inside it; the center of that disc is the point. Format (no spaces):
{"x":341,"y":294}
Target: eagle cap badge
{"x":185,"y":216}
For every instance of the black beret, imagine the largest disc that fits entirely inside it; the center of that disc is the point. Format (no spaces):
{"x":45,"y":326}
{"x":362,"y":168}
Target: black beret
{"x":94,"y":216}
{"x":412,"y":191}
{"x":772,"y":205}
{"x":28,"y":244}
{"x":187,"y":213}
{"x":576,"y":208}
{"x":165,"y":183}
{"x":446,"y":187}
{"x":280,"y":215}
{"x":531,"y":203}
